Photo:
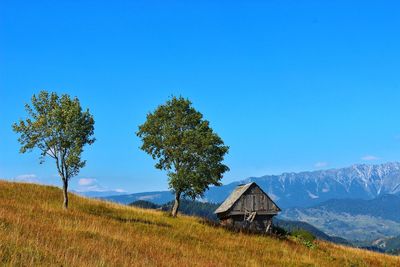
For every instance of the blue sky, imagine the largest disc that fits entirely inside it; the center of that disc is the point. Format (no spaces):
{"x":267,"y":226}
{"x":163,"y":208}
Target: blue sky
{"x":289,"y":85}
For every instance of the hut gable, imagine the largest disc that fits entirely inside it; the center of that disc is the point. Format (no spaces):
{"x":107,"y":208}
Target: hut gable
{"x":233,"y":198}
{"x":247,"y":198}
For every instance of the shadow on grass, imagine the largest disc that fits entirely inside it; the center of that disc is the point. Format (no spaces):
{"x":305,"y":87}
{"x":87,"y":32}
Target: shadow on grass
{"x":110,"y":214}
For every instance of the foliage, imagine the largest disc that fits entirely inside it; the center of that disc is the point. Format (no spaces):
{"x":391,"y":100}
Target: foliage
{"x":34,"y":232}
{"x":303,"y":234}
{"x":182,"y":142}
{"x":305,"y":237}
{"x":59,"y":128}
{"x":195,"y":208}
{"x":187,"y":207}
{"x":144,"y":204}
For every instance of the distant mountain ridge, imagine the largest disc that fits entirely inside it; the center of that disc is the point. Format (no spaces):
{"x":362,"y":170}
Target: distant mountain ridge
{"x":304,"y":189}
{"x":310,"y":188}
{"x":157,"y":197}
{"x":353,"y":219}
{"x":98,"y":194}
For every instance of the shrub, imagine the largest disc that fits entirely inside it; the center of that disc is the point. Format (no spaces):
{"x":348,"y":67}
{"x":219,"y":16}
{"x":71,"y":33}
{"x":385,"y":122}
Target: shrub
{"x":304,"y":237}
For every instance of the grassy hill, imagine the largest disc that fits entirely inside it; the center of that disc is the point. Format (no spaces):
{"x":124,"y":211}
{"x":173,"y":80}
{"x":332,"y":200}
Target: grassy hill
{"x":35,"y":230}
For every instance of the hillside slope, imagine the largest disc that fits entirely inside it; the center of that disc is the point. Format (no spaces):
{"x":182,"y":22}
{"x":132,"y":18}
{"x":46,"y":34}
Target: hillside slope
{"x":206,"y":210}
{"x":35,"y":230}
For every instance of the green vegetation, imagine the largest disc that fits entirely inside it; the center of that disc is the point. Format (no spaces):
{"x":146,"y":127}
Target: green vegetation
{"x":144,"y":204}
{"x":305,"y":237}
{"x":188,"y":207}
{"x":196,"y":208}
{"x":185,"y":146}
{"x":59,"y":128}
{"x":36,"y":231}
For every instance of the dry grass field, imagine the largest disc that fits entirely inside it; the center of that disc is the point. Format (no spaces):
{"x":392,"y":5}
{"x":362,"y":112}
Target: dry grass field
{"x":36,"y":231}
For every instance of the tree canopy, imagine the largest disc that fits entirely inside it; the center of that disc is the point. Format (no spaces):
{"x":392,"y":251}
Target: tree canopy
{"x":59,"y":128}
{"x":183,"y":144}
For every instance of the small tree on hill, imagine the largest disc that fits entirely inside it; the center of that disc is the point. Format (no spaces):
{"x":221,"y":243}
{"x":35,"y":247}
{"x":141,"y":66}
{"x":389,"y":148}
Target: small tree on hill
{"x":184,"y":145}
{"x":59,"y":128}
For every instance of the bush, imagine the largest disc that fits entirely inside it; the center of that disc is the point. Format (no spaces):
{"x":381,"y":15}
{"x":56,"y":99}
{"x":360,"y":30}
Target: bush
{"x":305,"y":237}
{"x":303,"y":234}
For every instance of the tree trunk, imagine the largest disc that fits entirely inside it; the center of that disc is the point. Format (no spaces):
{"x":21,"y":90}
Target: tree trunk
{"x":175,"y":208}
{"x":65,"y":190}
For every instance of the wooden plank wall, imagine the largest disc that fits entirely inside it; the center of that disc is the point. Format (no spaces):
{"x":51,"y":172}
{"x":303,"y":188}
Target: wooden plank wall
{"x":254,"y":200}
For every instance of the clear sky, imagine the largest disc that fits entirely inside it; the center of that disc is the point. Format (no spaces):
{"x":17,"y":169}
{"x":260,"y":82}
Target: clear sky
{"x":288,"y":85}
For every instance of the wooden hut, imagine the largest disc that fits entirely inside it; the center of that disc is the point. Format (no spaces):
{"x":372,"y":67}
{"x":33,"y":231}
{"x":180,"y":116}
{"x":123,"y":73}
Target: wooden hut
{"x":248,"y":207}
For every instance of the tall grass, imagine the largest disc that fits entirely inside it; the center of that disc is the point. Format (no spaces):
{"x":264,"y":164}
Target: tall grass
{"x":35,"y":230}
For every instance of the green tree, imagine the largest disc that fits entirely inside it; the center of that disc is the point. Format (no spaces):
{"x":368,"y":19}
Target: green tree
{"x":59,"y":128}
{"x":182,"y":142}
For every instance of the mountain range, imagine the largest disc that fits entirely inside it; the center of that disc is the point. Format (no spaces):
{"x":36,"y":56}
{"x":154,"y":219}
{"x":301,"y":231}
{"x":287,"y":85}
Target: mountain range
{"x":304,"y":189}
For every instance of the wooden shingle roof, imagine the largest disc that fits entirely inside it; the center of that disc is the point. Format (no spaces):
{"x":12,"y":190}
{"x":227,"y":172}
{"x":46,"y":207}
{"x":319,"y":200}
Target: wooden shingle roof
{"x":233,"y":197}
